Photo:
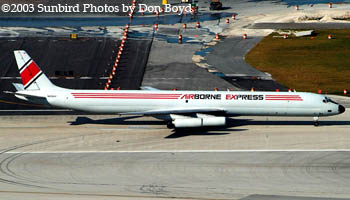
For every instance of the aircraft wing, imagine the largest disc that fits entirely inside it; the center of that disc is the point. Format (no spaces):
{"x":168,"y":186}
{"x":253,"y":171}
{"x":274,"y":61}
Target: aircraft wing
{"x":149,"y":88}
{"x":176,"y":111}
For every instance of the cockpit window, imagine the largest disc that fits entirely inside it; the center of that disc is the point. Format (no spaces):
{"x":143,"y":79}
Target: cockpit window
{"x":330,"y":100}
{"x":327,"y":100}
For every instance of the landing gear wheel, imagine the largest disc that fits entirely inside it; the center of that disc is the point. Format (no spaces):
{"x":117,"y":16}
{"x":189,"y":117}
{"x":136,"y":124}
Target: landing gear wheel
{"x":170,"y":125}
{"x":316,"y":123}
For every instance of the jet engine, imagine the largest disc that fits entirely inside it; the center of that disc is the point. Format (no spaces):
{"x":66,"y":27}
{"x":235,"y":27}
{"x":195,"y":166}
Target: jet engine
{"x":199,"y":122}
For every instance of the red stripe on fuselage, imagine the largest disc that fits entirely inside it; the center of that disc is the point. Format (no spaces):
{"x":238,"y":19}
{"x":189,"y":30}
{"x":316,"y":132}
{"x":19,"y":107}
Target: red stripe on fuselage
{"x":284,"y":99}
{"x":29,"y":73}
{"x":287,"y":96}
{"x":125,"y":98}
{"x":124,"y":94}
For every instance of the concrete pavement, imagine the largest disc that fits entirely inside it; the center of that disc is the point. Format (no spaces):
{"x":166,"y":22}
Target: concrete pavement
{"x":194,"y":175}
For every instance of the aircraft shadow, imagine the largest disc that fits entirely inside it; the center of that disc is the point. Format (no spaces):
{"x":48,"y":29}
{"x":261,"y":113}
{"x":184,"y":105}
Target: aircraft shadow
{"x":244,"y":122}
{"x":204,"y":131}
{"x":115,"y":121}
{"x":230,"y":122}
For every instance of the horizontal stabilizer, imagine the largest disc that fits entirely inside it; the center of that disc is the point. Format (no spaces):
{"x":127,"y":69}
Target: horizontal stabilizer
{"x":28,"y":95}
{"x":18,"y":86}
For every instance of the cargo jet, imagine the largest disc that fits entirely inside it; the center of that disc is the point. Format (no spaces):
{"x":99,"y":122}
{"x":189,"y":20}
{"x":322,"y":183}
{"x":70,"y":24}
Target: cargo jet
{"x":182,"y":109}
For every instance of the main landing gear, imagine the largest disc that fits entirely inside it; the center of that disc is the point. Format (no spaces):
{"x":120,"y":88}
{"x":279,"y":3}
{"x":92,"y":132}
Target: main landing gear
{"x":170,"y":125}
{"x":316,"y":123}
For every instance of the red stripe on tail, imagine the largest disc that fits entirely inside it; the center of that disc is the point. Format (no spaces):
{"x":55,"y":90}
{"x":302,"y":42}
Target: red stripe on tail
{"x":29,"y":73}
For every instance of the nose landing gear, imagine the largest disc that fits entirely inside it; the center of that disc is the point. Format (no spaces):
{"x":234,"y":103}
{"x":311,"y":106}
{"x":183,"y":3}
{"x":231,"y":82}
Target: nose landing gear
{"x":316,"y":123}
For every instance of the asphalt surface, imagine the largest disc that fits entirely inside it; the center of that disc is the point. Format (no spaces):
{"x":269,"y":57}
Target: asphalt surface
{"x":201,"y":175}
{"x":168,"y":69}
{"x":99,"y":157}
{"x":228,"y":58}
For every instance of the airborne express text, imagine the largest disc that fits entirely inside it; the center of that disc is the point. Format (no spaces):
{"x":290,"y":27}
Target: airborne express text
{"x":218,"y":96}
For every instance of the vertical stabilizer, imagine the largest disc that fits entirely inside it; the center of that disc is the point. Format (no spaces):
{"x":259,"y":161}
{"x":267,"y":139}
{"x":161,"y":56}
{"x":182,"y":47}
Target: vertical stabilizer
{"x":32,"y":77}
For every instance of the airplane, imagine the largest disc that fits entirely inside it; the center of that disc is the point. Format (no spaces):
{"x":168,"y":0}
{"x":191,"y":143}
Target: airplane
{"x":181,"y":109}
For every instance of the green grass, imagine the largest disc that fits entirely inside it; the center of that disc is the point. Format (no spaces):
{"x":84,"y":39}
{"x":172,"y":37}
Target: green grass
{"x":306,"y":64}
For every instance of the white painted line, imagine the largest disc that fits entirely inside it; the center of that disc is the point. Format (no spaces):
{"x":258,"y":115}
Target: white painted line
{"x":8,"y":77}
{"x":86,"y":77}
{"x":52,"y":110}
{"x":188,"y":151}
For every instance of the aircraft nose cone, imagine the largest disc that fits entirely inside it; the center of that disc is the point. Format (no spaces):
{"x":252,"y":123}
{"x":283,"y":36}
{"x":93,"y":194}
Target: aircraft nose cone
{"x":341,"y":109}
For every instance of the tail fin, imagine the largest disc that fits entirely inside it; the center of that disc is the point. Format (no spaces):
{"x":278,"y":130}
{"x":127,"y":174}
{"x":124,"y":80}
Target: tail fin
{"x":32,"y":77}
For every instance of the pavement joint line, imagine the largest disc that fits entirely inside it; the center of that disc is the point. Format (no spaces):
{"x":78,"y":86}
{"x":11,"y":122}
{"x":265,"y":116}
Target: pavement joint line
{"x":186,"y":151}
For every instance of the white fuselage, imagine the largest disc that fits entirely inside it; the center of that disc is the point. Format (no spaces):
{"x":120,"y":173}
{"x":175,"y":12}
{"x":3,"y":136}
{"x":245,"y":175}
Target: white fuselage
{"x":231,"y":102}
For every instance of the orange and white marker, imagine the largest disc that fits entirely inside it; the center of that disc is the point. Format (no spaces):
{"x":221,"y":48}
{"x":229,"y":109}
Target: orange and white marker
{"x":245,"y":36}
{"x":233,"y":17}
{"x":198,"y":25}
{"x":227,"y":20}
{"x":285,"y":36}
{"x":297,"y":7}
{"x":330,"y":37}
{"x":330,"y":5}
{"x":345,"y":91}
{"x":180,"y":39}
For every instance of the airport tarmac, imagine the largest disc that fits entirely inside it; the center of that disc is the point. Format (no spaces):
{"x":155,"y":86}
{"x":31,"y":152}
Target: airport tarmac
{"x":165,"y":71}
{"x":107,"y":157}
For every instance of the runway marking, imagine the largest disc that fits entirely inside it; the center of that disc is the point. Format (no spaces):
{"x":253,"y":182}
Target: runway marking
{"x":168,"y":78}
{"x":1,"y":127}
{"x":7,"y":77}
{"x":43,"y":110}
{"x":188,"y":151}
